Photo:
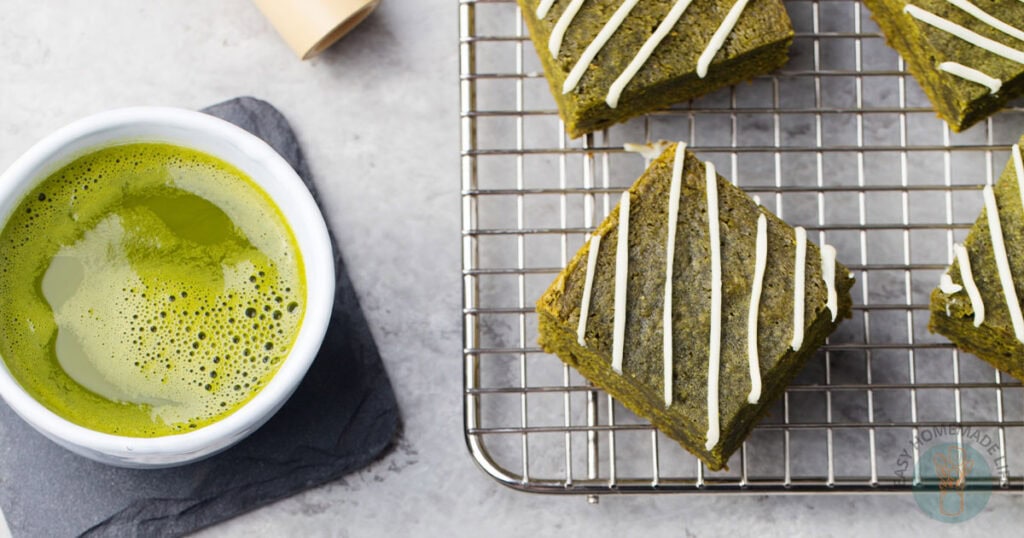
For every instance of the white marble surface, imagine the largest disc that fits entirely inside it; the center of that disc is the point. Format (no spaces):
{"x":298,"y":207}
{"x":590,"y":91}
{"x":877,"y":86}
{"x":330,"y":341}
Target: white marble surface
{"x":378,"y":117}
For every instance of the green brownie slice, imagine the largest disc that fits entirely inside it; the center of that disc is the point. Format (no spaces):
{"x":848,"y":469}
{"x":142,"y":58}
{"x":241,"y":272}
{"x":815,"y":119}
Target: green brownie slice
{"x":757,"y":44}
{"x":930,"y":47}
{"x":640,"y":386}
{"x":954,"y":313}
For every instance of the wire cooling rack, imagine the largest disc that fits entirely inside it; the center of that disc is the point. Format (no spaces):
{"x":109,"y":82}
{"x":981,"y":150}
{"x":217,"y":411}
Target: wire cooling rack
{"x":841,"y":141}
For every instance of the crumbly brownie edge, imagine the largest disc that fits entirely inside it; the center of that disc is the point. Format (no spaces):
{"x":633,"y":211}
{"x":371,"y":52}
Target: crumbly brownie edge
{"x":746,"y":67}
{"x":959,"y":109}
{"x":580,"y":119}
{"x":560,"y":340}
{"x":952,"y":315}
{"x":996,"y":347}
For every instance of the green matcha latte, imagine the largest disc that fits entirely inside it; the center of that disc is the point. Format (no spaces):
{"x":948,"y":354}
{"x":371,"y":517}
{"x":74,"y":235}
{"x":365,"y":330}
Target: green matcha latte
{"x":147,"y":290}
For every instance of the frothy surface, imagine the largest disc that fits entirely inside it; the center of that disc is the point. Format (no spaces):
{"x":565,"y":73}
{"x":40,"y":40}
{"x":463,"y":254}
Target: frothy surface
{"x":147,"y":290}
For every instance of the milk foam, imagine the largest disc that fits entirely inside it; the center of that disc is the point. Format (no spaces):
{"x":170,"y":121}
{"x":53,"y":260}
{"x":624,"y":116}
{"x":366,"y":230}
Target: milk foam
{"x":168,"y":286}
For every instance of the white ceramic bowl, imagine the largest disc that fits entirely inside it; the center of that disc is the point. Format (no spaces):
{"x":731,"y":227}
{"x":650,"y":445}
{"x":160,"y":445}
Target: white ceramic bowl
{"x":271,"y":172}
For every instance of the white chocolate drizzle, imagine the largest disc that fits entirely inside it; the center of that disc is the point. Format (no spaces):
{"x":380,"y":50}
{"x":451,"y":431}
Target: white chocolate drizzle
{"x":964,"y":259}
{"x":558,"y":31}
{"x":645,"y":52}
{"x":828,"y":274}
{"x":760,"y":263}
{"x":984,"y":17}
{"x":663,"y":29}
{"x":651,"y":150}
{"x":798,"y":288}
{"x":973,"y":75}
{"x":718,"y":39}
{"x":670,"y":252}
{"x":543,"y":7}
{"x":588,"y":286}
{"x":969,"y":36}
{"x":947,"y":286}
{"x":1002,"y":262}
{"x":965,"y":72}
{"x":715,"y":344}
{"x":597,"y":44}
{"x":621,"y":279}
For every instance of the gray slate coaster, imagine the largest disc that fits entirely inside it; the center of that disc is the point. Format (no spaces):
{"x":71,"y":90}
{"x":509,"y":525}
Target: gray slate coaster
{"x":341,"y":418}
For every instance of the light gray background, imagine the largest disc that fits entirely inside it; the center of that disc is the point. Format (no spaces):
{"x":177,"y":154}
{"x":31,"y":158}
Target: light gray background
{"x":378,"y":117}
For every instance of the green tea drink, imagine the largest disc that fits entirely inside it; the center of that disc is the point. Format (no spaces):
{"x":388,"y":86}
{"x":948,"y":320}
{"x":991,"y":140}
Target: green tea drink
{"x":147,"y":290}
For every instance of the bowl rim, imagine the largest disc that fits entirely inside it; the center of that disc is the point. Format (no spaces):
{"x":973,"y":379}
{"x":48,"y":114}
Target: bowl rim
{"x":311,"y":237}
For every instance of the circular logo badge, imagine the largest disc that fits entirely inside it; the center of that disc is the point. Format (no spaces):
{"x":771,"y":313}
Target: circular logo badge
{"x":956,"y":483}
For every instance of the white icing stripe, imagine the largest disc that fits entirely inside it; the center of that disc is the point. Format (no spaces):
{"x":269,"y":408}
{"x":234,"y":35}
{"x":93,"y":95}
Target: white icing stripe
{"x":544,"y":7}
{"x":621,"y":276}
{"x":595,"y":46}
{"x":670,"y":254}
{"x":715,"y":345}
{"x":947,"y":286}
{"x":588,"y":286}
{"x":651,"y":150}
{"x":969,"y":36}
{"x":558,"y":31}
{"x":645,"y":52}
{"x":1018,"y":166}
{"x":968,"y":279}
{"x":984,"y":17}
{"x":973,"y":75}
{"x":798,"y":288}
{"x":718,"y":39}
{"x":760,"y":262}
{"x":828,"y":274}
{"x":1002,"y":263}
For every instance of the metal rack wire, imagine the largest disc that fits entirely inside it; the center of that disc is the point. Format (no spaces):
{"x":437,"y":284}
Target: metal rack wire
{"x":841,"y":141}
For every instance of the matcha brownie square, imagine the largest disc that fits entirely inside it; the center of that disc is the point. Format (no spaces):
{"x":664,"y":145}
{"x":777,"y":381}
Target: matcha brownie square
{"x":746,"y":300}
{"x":609,"y":60}
{"x":977,"y":303}
{"x":968,"y":55}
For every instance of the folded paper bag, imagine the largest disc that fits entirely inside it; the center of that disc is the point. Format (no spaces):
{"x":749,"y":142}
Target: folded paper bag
{"x":310,"y":26}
